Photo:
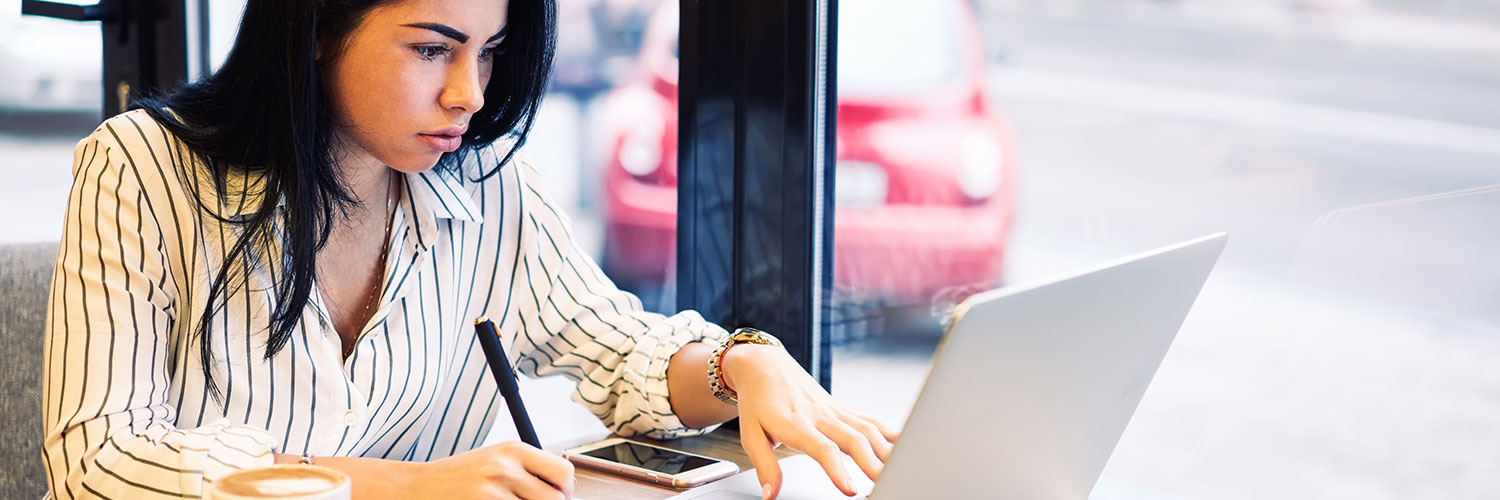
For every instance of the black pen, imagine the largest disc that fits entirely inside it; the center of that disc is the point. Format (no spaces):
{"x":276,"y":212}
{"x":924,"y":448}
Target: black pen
{"x":489,"y":340}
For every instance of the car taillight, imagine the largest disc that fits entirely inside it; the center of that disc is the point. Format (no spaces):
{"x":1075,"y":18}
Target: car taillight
{"x":640,"y":152}
{"x":859,"y":183}
{"x":980,"y":158}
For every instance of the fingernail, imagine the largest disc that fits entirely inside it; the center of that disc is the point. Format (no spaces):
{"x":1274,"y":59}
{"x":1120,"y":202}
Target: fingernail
{"x":765,"y":491}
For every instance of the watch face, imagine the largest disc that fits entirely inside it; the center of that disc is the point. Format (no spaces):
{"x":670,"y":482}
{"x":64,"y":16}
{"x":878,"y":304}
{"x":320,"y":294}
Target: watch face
{"x":754,"y":336}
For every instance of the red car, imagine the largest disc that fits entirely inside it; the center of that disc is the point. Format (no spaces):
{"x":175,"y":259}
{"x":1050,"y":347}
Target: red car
{"x":924,"y":186}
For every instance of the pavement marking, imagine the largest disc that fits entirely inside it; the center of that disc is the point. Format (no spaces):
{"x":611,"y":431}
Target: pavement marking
{"x":1241,"y":110}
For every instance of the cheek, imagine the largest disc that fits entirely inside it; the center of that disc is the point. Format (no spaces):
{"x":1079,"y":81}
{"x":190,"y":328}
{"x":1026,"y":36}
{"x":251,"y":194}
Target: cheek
{"x":398,"y":91}
{"x":399,"y":83}
{"x":367,"y":90}
{"x":484,"y":76}
{"x":393,"y":98}
{"x":384,"y":109}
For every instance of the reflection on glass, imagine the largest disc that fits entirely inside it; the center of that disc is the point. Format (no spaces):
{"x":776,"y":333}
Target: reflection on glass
{"x":1404,"y":253}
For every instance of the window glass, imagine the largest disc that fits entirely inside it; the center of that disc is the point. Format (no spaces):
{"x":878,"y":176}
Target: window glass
{"x":1344,"y":344}
{"x":49,"y":98}
{"x":52,"y":97}
{"x":617,"y":65}
{"x":923,"y":40}
{"x":223,"y":26}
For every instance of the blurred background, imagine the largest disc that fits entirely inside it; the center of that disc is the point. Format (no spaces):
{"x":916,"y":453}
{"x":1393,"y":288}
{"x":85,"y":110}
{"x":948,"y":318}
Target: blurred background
{"x":1345,"y":346}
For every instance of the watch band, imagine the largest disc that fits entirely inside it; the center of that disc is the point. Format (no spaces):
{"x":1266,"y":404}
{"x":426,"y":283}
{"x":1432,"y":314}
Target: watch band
{"x":716,"y":361}
{"x":305,"y":459}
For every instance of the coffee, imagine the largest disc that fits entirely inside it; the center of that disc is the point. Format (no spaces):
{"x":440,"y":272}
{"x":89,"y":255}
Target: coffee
{"x":282,"y":482}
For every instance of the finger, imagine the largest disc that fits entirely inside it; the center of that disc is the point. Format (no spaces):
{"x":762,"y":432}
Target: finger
{"x":871,"y":433}
{"x":762,"y":456}
{"x":530,"y":487}
{"x":885,"y":431}
{"x":556,"y":471}
{"x":827,"y":453}
{"x":854,"y":444}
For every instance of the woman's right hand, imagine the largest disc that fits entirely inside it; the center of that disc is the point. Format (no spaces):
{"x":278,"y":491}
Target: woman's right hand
{"x":506,"y":470}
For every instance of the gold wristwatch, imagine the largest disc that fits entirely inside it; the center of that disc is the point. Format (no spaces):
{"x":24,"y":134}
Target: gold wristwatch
{"x":716,"y":361}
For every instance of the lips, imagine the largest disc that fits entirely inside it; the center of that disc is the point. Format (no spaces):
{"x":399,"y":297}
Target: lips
{"x":442,"y":142}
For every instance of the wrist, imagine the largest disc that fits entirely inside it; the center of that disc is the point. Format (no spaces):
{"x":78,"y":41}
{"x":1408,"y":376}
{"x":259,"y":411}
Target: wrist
{"x":373,"y":477}
{"x":718,"y":379}
{"x":405,"y":474}
{"x":744,"y":362}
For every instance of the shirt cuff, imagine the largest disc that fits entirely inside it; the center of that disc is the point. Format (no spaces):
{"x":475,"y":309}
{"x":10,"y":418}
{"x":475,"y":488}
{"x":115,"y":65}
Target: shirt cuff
{"x":221,"y":448}
{"x":686,"y":327}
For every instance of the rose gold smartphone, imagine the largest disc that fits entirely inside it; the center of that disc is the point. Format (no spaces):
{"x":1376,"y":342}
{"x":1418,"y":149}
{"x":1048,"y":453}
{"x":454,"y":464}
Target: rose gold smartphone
{"x":651,"y":463}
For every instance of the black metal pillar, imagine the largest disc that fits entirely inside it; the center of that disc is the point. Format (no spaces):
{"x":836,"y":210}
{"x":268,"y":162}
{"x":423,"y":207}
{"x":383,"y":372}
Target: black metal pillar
{"x":754,"y":219}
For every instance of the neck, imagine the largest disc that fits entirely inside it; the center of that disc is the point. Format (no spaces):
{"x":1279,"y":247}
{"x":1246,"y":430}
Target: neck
{"x":369,"y":183}
{"x":371,"y":188}
{"x":374,"y":192}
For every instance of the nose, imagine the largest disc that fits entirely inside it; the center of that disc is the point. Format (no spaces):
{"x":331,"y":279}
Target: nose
{"x":463,"y":91}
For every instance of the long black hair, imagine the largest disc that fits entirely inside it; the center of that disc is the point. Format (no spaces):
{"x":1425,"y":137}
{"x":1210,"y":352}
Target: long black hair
{"x":267,"y":112}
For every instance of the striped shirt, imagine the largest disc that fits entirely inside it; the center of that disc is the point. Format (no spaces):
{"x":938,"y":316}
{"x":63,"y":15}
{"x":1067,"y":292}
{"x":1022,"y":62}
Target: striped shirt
{"x":126,"y":412}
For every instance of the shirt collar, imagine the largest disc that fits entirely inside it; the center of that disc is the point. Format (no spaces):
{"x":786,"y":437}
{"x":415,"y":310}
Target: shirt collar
{"x":430,"y":196}
{"x":442,"y":195}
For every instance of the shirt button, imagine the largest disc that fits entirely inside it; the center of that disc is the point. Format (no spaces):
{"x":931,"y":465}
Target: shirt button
{"x":351,"y":418}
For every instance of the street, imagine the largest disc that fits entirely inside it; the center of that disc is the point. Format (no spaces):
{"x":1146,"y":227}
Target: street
{"x":1344,"y":346}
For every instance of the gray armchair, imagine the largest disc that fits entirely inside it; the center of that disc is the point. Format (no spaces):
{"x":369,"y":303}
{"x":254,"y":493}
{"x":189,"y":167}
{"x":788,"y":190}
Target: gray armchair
{"x":25,"y":278}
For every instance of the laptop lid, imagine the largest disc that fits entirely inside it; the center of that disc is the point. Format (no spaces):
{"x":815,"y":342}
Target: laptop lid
{"x":1033,"y":385}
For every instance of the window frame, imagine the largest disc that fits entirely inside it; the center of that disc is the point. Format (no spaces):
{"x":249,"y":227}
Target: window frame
{"x":754,"y":242}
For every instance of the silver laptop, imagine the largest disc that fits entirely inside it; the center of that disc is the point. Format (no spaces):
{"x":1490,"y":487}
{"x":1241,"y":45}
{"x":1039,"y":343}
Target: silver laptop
{"x":1031,"y":387}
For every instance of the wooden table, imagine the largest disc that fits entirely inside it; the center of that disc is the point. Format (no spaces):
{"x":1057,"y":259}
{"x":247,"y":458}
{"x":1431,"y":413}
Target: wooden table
{"x":722,"y":443}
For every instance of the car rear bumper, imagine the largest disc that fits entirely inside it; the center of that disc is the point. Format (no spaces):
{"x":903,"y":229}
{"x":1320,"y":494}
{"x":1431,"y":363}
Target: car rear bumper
{"x":897,"y":254}
{"x":908,"y":254}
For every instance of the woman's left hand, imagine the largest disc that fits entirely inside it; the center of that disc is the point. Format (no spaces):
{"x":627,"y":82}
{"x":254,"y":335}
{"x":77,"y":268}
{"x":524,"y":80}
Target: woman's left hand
{"x":780,"y":403}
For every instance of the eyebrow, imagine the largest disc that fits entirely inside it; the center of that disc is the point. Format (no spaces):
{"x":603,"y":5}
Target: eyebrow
{"x":448,"y":31}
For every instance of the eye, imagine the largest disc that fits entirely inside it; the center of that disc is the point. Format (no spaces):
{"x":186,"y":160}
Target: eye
{"x":488,"y":54}
{"x":431,"y":52}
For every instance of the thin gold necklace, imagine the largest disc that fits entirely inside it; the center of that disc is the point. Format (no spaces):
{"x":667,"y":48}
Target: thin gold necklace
{"x":385,"y":248}
{"x":385,"y":245}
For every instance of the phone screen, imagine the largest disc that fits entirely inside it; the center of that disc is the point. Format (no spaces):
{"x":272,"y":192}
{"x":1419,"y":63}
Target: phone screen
{"x":651,"y":458}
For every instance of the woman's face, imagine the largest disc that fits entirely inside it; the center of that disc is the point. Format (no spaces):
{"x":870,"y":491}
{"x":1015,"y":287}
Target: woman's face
{"x":410,"y":77}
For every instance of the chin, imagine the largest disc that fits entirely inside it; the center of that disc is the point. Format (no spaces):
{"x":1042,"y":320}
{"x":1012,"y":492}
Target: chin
{"x":415,"y":164}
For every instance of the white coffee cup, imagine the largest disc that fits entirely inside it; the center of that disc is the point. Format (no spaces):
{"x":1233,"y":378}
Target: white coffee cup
{"x":281,"y":482}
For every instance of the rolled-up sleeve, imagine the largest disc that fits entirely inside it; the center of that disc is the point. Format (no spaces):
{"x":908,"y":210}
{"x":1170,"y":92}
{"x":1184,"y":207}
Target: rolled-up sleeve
{"x":109,"y":429}
{"x":582,"y":326}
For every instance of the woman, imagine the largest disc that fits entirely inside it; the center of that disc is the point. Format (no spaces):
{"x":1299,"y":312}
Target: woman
{"x":281,"y":263}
